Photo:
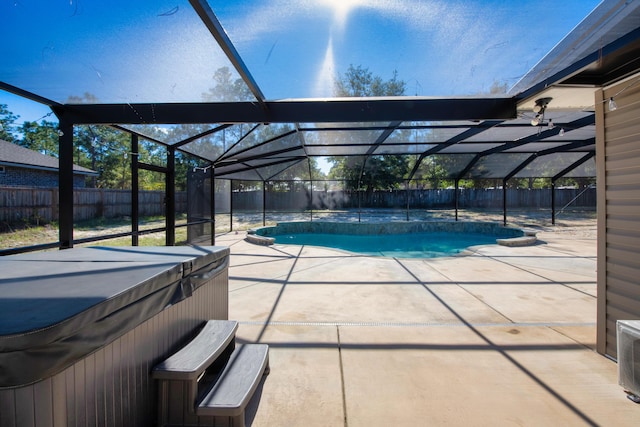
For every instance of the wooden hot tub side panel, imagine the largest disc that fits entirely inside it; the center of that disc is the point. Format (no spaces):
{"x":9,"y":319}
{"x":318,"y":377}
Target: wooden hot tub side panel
{"x":112,"y":386}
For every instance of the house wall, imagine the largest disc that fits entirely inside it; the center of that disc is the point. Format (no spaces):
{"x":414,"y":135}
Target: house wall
{"x":13,"y":177}
{"x":618,"y":164}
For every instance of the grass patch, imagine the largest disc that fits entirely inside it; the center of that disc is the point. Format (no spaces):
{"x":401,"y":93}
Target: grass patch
{"x":23,"y":235}
{"x":153,"y":239}
{"x":28,"y":236}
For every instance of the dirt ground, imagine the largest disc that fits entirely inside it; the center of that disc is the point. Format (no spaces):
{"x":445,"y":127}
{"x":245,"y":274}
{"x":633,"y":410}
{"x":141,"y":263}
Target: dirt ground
{"x":575,"y":223}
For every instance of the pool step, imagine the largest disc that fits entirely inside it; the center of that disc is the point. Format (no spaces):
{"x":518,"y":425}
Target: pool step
{"x":258,"y":239}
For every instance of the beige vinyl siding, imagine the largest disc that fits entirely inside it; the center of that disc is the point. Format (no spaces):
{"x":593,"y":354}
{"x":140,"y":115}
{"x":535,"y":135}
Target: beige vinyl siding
{"x":619,"y":210}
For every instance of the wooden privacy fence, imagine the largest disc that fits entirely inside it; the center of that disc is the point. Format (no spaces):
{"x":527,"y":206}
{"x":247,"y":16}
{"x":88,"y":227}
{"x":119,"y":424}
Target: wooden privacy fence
{"x":35,"y":205}
{"x":417,"y":199}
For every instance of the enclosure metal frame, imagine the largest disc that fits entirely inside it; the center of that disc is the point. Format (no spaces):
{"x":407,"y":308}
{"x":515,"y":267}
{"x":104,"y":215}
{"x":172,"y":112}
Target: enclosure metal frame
{"x":605,"y":65}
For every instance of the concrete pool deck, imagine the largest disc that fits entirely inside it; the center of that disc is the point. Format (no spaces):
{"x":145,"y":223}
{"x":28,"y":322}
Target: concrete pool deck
{"x":504,"y":336}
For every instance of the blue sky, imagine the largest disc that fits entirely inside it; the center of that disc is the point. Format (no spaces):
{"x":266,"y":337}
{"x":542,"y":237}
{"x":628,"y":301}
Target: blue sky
{"x":440,"y":48}
{"x":158,"y":52}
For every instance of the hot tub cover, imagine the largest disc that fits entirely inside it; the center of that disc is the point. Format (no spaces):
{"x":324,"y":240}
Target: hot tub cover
{"x":56,"y":307}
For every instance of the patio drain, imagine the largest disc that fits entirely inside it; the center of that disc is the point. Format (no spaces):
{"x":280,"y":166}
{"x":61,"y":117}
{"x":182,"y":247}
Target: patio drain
{"x":419,"y":324}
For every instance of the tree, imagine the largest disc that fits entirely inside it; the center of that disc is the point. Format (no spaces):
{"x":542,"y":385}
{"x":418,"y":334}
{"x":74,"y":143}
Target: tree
{"x":372,"y":172}
{"x":358,"y":81}
{"x":439,"y":170}
{"x":227,"y":89}
{"x":41,"y":137}
{"x":238,"y":137}
{"x":498,"y":88}
{"x":105,"y":150}
{"x":7,"y":124}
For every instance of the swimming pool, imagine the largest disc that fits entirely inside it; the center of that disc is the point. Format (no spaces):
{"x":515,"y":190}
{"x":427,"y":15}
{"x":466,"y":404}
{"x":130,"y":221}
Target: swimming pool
{"x":395,"y":239}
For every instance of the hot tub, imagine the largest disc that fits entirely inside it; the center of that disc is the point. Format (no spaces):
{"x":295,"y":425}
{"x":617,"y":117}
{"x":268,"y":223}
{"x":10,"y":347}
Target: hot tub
{"x":80,"y":329}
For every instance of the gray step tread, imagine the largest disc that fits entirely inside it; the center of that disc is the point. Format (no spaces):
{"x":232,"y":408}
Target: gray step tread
{"x":234,"y":388}
{"x":191,"y":360}
{"x":518,"y":241}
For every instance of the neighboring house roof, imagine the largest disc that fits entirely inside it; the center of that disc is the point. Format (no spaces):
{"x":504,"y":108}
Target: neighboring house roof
{"x":18,"y":156}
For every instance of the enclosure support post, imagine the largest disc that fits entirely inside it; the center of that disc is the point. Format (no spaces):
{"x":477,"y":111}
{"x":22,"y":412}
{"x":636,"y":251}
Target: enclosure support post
{"x":455,"y":196}
{"x":171,"y":197}
{"x":212,"y":207}
{"x":65,"y":184}
{"x":311,"y":192}
{"x":230,"y":205}
{"x":135,"y":214}
{"x":359,"y":202}
{"x":504,"y":202}
{"x":406,"y":188}
{"x":553,"y":202}
{"x":264,"y":203}
{"x":560,"y":175}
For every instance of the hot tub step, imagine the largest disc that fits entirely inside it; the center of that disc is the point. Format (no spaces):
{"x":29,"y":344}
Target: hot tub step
{"x":237,"y":383}
{"x":194,"y":358}
{"x":210,"y":377}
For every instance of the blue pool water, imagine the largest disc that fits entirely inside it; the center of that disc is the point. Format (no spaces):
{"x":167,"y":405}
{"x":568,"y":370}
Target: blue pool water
{"x":414,"y":245}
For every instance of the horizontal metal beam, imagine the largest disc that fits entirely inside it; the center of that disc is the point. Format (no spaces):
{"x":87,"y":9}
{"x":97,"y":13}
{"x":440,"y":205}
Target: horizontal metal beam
{"x":152,"y":168}
{"x":575,"y":146}
{"x":265,"y":155}
{"x":28,"y":95}
{"x":343,"y":110}
{"x":576,"y":124}
{"x":231,"y":170}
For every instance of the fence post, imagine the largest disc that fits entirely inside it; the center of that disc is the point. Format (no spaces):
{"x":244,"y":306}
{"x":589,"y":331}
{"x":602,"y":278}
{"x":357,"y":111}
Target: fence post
{"x":311,"y":199}
{"x":406,"y":187}
{"x":359,"y":203}
{"x":264,"y":203}
{"x":457,"y":184}
{"x":504,"y":202}
{"x":553,"y":202}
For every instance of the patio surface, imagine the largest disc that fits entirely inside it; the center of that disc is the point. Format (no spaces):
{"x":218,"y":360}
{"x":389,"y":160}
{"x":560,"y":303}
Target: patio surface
{"x":503,"y":336}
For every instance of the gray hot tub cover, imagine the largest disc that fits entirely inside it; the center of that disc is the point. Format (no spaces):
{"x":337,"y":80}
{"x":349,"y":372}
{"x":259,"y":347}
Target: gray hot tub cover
{"x":57,"y":307}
